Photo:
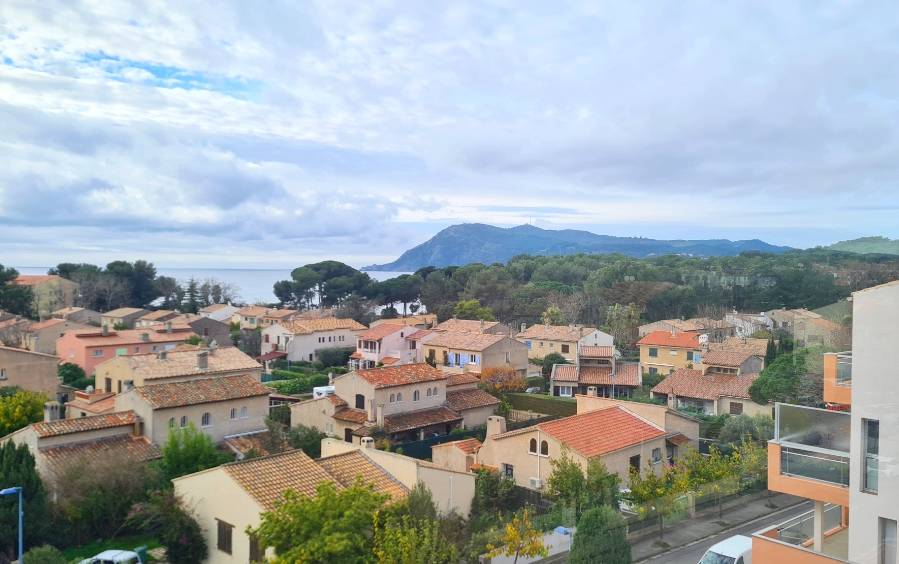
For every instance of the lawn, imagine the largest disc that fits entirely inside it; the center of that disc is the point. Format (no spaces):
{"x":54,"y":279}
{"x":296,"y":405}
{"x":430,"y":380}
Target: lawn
{"x":121,"y":543}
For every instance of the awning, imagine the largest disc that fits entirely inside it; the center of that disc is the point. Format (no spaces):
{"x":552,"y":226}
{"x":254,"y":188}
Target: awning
{"x":679,"y":439}
{"x":271,"y":356}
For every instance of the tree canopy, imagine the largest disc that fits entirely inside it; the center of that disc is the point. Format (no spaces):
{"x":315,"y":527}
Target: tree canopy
{"x":601,"y":538}
{"x":14,"y":299}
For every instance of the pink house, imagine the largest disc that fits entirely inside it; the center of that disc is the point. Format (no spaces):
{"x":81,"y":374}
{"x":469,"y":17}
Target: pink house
{"x":87,"y":349}
{"x":384,"y":344}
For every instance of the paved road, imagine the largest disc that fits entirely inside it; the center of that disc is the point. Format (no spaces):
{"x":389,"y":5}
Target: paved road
{"x":692,"y":553}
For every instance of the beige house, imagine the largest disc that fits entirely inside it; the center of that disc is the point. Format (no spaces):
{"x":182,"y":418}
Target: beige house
{"x":420,"y":321}
{"x":461,"y":351}
{"x":383,"y":345}
{"x":473,"y":326}
{"x":715,"y":330}
{"x":29,"y":370}
{"x":219,"y":407}
{"x":154,"y":317}
{"x":41,"y":336}
{"x":124,"y":317}
{"x":49,"y":291}
{"x":731,"y":362}
{"x":88,"y":403}
{"x":663,"y":352}
{"x":78,"y":315}
{"x":302,"y":338}
{"x":273,"y":316}
{"x":710,"y":393}
{"x":123,"y":372}
{"x":565,"y":340}
{"x":682,"y":429}
{"x":620,"y":438}
{"x":58,"y":443}
{"x":230,"y":499}
{"x":250,"y":317}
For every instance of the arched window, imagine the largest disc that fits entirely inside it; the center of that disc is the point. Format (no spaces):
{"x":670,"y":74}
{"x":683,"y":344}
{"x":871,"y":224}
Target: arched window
{"x":206,"y":419}
{"x":233,"y":413}
{"x":171,"y":423}
{"x":243,"y":412}
{"x":533,"y":447}
{"x":436,"y":391}
{"x":415,"y":395}
{"x":399,"y":396}
{"x":429,"y":392}
{"x":183,"y":421}
{"x":544,"y":448}
{"x":392,"y":398}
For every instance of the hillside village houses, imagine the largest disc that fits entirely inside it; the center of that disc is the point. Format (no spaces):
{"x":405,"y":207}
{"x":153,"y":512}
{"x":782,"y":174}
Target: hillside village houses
{"x":301,"y":339}
{"x":596,"y":367}
{"x":715,"y":330}
{"x":208,"y":329}
{"x":49,"y":292}
{"x":663,"y":352}
{"x":87,"y":349}
{"x":385,"y":344}
{"x":542,"y":340}
{"x":219,"y":312}
{"x":78,"y":315}
{"x":154,"y":317}
{"x":710,"y":391}
{"x":122,"y":318}
{"x":41,"y":336}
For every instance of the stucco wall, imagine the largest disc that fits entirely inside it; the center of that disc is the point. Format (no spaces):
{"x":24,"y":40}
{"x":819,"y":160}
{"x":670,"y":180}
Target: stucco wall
{"x":477,"y":417}
{"x":33,"y":372}
{"x":749,"y":406}
{"x":318,"y":414}
{"x":44,"y":340}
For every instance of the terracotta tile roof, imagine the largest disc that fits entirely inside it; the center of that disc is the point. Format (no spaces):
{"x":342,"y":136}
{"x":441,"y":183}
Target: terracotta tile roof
{"x":464,"y":379}
{"x":67,"y":310}
{"x":380,"y":331}
{"x":400,"y":375}
{"x":602,"y":431}
{"x":626,"y":374}
{"x":252,"y":311}
{"x":461,"y":340}
{"x":271,"y":355}
{"x":694,"y":384}
{"x":280,"y":313}
{"x":564,"y":373}
{"x":596,"y":352}
{"x":159,"y":315}
{"x":267,"y":478}
{"x":14,"y":322}
{"x":204,"y":390}
{"x":462,"y":400}
{"x":470,"y":325}
{"x":351,"y":415}
{"x":184,"y":363}
{"x":757,"y":347}
{"x":133,"y":336}
{"x":123,"y":312}
{"x":34,"y":279}
{"x":468,"y":446}
{"x":258,"y":443}
{"x":47,"y":323}
{"x":348,"y":466}
{"x":46,"y":429}
{"x":309,"y":326}
{"x":334,"y":399}
{"x":555,"y":332}
{"x":666,"y":339}
{"x":422,"y":319}
{"x":389,"y":360}
{"x":729,"y":358}
{"x":121,"y":450}
{"x":96,"y":406}
{"x":28,"y":352}
{"x":213,"y":307}
{"x":422,"y":418}
{"x":420,"y":334}
{"x":679,"y":439}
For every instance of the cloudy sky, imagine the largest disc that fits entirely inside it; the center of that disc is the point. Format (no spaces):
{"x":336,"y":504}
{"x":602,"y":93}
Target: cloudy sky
{"x":239,"y":135}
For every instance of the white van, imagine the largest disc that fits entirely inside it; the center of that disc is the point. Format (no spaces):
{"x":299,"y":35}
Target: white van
{"x":734,"y":550}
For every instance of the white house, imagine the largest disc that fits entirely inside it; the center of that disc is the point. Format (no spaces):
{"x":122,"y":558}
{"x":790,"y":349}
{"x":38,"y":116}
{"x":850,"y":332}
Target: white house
{"x":301,"y":338}
{"x":219,"y":312}
{"x":384,"y":344}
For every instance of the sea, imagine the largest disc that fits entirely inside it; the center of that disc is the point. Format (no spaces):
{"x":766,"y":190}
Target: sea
{"x":252,"y":284}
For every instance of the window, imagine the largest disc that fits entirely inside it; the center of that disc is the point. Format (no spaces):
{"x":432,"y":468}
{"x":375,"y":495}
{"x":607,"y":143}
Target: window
{"x":171,"y":423}
{"x":360,"y":401}
{"x":552,"y":345}
{"x":508,"y":470}
{"x":887,"y":538}
{"x":415,"y":395}
{"x":656,"y":455}
{"x":871,"y":437}
{"x":653,"y":370}
{"x":635,"y":462}
{"x":256,"y":552}
{"x":653,"y":352}
{"x":565,"y":391}
{"x":107,"y":384}
{"x":183,"y":421}
{"x":392,"y":398}
{"x":736,"y":408}
{"x":508,"y":357}
{"x":2,"y":374}
{"x":399,"y":396}
{"x":473,"y":358}
{"x":544,"y":448}
{"x":206,"y":420}
{"x":223,"y":540}
{"x":457,"y":359}
{"x":528,"y":344}
{"x":533,"y":446}
{"x":429,"y":392}
{"x":672,"y":353}
{"x":541,"y":344}
{"x":233,"y":413}
{"x":565,"y":348}
{"x":690,"y":355}
{"x":266,"y":338}
{"x":98,"y":352}
{"x":243,"y":412}
{"x":436,"y":391}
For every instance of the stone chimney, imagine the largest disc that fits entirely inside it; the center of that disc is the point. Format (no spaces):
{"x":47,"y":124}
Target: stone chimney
{"x":168,"y":326}
{"x":51,"y":411}
{"x":145,"y":337}
{"x":495,"y":425}
{"x":105,"y":331}
{"x":591,"y":391}
{"x":203,"y":360}
{"x":368,"y":442}
{"x":482,"y":326}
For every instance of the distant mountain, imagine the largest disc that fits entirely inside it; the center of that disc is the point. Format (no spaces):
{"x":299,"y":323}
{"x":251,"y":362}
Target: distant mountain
{"x":865,"y":245}
{"x":477,"y":242}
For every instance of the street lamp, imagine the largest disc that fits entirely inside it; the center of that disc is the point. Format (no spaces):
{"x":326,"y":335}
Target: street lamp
{"x":17,"y":490}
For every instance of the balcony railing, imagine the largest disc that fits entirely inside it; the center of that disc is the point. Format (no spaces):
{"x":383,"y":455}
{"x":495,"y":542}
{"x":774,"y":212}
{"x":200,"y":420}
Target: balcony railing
{"x":822,"y":466}
{"x":814,"y":443}
{"x":801,"y":529}
{"x":844,"y":369}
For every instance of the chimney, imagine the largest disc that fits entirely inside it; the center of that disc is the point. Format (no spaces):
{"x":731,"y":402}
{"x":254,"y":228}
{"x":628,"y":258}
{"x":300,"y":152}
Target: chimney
{"x":330,"y":378}
{"x":203,"y":360}
{"x":591,"y":391}
{"x":161,"y":355}
{"x":523,"y":327}
{"x":145,"y":337}
{"x":51,"y":411}
{"x":482,"y":326}
{"x":105,"y":331}
{"x":368,"y":442}
{"x":168,"y":326}
{"x":495,"y":425}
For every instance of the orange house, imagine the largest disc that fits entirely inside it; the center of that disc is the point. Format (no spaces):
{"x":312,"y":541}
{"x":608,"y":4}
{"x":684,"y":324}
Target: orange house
{"x":87,"y":349}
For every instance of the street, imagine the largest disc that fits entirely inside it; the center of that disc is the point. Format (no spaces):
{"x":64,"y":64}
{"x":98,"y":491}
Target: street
{"x":692,"y":553}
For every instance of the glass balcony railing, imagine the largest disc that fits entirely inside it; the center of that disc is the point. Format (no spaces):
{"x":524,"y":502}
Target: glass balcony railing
{"x":815,"y":465}
{"x":814,"y":443}
{"x":801,"y":529}
{"x":844,"y":369}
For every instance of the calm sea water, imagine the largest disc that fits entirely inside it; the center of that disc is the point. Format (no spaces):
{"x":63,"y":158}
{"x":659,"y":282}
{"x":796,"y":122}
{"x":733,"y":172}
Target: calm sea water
{"x":253,"y":285}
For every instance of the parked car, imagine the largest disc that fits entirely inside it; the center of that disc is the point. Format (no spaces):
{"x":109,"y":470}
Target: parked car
{"x":733,"y":550}
{"x":534,"y":390}
{"x":115,"y":556}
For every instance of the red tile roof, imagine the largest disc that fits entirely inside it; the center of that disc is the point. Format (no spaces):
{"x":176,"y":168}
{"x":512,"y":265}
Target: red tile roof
{"x":204,"y":390}
{"x":694,"y":384}
{"x":401,"y":375}
{"x":466,"y":378}
{"x":33,"y":279}
{"x":46,"y":429}
{"x":602,"y":431}
{"x":351,"y":415}
{"x":379,"y":332}
{"x":666,"y":339}
{"x":729,"y":358}
{"x":121,"y":450}
{"x":462,"y":400}
{"x":389,"y":360}
{"x":596,"y":352}
{"x":565,"y":333}
{"x":564,"y":373}
{"x":420,"y":334}
{"x":626,"y":374}
{"x":423,"y":418}
{"x":472,"y":325}
{"x":347,"y":467}
{"x":468,"y":446}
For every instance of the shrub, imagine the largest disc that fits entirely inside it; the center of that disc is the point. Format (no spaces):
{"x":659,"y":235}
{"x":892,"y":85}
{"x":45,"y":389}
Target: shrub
{"x":187,"y":451}
{"x":20,"y":410}
{"x":601,"y":537}
{"x":164,"y":516}
{"x":45,"y":554}
{"x":548,"y":362}
{"x":335,"y":356}
{"x":307,"y":439}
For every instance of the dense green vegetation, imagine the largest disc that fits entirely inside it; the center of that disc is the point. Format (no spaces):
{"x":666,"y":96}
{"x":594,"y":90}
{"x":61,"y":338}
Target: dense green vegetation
{"x":874,"y":245}
{"x":13,"y":299}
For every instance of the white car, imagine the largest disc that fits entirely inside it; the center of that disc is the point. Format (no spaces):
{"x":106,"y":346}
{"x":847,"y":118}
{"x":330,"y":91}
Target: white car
{"x":734,"y":550}
{"x":114,"y":557}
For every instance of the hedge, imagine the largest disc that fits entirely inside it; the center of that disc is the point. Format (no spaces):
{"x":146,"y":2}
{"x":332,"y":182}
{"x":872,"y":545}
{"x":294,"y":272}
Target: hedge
{"x":549,"y":405}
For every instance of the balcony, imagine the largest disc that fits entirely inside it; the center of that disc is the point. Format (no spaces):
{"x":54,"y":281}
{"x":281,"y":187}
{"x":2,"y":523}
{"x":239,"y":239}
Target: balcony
{"x":809,"y":455}
{"x":794,"y":540}
{"x":838,"y":378}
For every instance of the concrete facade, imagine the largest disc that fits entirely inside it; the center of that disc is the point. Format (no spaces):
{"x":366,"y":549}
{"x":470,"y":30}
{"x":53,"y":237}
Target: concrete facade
{"x":36,"y":372}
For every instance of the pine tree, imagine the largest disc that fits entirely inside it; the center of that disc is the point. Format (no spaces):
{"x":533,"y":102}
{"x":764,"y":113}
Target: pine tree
{"x":601,"y":538}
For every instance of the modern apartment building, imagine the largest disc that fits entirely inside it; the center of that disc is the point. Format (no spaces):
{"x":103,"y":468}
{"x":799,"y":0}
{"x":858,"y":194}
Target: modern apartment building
{"x":843,"y":458}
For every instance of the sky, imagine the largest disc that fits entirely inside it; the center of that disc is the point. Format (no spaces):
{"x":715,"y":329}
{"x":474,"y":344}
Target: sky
{"x":231,"y":134}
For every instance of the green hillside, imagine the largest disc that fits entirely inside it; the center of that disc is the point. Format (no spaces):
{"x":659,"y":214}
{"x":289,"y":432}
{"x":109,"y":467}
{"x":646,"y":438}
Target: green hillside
{"x":868,"y":245}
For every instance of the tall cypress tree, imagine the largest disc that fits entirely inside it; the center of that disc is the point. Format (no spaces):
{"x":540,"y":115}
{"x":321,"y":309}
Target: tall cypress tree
{"x":770,"y":352}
